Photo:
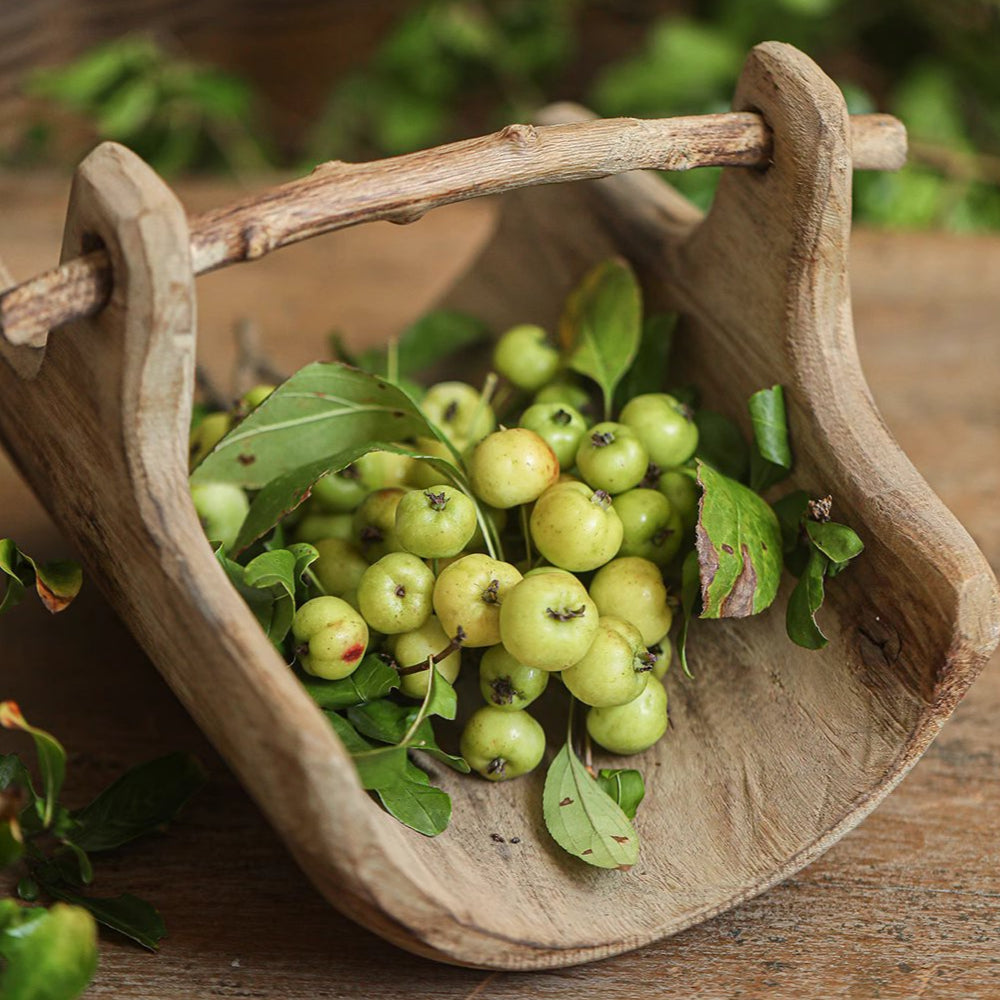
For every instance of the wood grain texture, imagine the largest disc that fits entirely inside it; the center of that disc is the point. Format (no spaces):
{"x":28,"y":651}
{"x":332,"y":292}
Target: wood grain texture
{"x":403,"y":188}
{"x":847,"y":723}
{"x":906,"y":905}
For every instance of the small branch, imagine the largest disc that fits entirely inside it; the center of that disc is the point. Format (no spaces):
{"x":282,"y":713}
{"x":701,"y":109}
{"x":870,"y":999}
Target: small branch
{"x":402,"y":188}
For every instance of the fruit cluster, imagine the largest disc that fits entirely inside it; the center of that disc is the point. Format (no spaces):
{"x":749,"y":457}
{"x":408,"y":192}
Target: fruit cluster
{"x":604,"y":509}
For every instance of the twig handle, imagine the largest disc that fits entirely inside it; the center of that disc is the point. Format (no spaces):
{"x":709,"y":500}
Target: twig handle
{"x":401,"y":189}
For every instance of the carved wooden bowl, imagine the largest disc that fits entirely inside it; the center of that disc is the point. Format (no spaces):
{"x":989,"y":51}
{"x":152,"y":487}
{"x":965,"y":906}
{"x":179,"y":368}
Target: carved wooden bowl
{"x":774,"y":751}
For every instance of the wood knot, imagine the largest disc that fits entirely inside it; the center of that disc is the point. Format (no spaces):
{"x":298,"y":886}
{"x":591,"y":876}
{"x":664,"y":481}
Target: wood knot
{"x":256,"y":241}
{"x":879,"y":643}
{"x":519,"y":135}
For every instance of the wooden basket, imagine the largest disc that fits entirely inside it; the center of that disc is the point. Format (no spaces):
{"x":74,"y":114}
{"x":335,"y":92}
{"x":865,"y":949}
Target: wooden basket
{"x":774,"y":753}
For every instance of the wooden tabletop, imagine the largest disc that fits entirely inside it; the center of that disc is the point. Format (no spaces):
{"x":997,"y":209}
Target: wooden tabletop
{"x":906,"y":905}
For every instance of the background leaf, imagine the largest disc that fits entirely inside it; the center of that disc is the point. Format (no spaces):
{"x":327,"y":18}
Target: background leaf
{"x":721,"y":444}
{"x":583,"y":819}
{"x":648,"y":372}
{"x":141,"y":801}
{"x":770,"y":425}
{"x":601,"y":325}
{"x":51,"y":757}
{"x":738,"y":540}
{"x":127,"y":914}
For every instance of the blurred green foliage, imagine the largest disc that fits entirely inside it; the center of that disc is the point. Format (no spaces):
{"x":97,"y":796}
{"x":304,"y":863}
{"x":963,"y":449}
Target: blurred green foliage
{"x":176,"y":114}
{"x":449,"y":68}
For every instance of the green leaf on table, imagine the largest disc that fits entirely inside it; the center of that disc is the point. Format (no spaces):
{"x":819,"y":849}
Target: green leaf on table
{"x":721,"y":444}
{"x":143,"y":800}
{"x":583,"y":819}
{"x":322,"y":409}
{"x":803,"y":603}
{"x":601,"y":325}
{"x":51,"y":758}
{"x":127,"y":914}
{"x":73,"y":864}
{"x":432,"y":338}
{"x":648,"y":371}
{"x":625,"y":786}
{"x":48,"y":954}
{"x":738,"y":541}
{"x":373,"y":679}
{"x":690,"y":595}
{"x":838,"y":542}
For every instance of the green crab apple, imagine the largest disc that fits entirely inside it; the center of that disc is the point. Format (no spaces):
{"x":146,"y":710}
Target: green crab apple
{"x":394,"y":594}
{"x":633,"y":727}
{"x":411,"y":649}
{"x":469,"y":595}
{"x":500,"y":744}
{"x":632,"y":588}
{"x":435,"y":523}
{"x":511,"y":467}
{"x":652,"y":529}
{"x":611,"y":457}
{"x":221,"y":509}
{"x":548,"y":621}
{"x":664,"y":425}
{"x":561,"y":427}
{"x":339,"y":492}
{"x":507,"y":683}
{"x":524,"y":356}
{"x":576,"y":528}
{"x":459,"y":411}
{"x":374,"y":524}
{"x":330,"y":637}
{"x":615,"y":668}
{"x":339,"y":567}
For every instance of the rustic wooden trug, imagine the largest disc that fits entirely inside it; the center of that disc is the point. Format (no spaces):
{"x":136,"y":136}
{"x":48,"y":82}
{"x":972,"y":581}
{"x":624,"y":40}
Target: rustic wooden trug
{"x":774,"y":752}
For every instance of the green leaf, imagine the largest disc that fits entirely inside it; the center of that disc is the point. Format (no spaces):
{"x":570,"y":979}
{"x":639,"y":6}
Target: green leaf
{"x":583,"y":819}
{"x":127,"y":914}
{"x":373,"y":679}
{"x":275,"y":572}
{"x":770,"y":425}
{"x":426,"y":342}
{"x":803,"y":603}
{"x":838,"y":542}
{"x":13,"y":772}
{"x":648,"y":371}
{"x":51,"y":757}
{"x":418,"y":804}
{"x":790,"y":510}
{"x":74,"y":864}
{"x":625,"y":786}
{"x":56,"y":583}
{"x":286,"y":492}
{"x":48,"y":954}
{"x":322,"y":409}
{"x":738,"y":540}
{"x":11,"y":842}
{"x":143,"y":800}
{"x":601,"y":326}
{"x":690,"y":593}
{"x":721,"y":444}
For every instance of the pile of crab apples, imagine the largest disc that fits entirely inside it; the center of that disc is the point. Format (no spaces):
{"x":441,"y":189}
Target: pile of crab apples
{"x":595,"y":512}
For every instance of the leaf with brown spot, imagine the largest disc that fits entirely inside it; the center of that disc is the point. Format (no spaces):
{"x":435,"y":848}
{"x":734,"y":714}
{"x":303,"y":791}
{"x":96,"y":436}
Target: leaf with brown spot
{"x":582,"y":818}
{"x":738,"y":540}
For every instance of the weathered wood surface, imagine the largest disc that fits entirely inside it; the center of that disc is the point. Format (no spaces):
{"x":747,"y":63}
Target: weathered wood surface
{"x":907,"y":905}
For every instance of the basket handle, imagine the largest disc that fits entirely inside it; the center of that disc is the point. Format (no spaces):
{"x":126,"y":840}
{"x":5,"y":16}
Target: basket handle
{"x":401,"y":189}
